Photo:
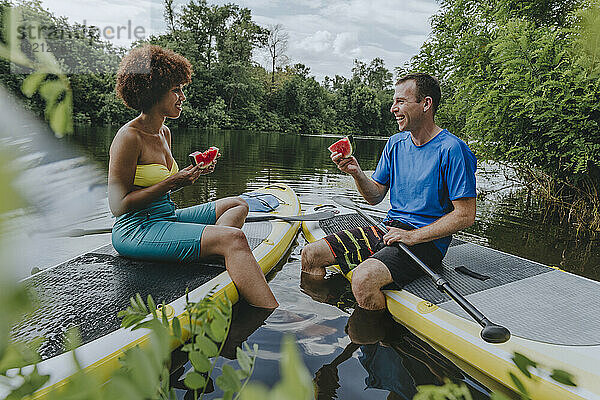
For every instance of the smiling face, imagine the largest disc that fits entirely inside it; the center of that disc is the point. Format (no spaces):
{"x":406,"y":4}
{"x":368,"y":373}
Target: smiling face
{"x":171,"y":103}
{"x":406,"y":107}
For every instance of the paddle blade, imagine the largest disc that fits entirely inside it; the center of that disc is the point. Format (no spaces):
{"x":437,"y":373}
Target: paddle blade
{"x":493,"y":333}
{"x":318,"y":216}
{"x":345,"y":202}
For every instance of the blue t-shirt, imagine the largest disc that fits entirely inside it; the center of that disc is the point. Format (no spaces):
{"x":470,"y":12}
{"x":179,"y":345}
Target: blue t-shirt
{"x":423,"y":180}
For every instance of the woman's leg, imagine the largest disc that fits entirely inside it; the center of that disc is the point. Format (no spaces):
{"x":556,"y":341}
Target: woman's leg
{"x":231,"y":211}
{"x":231,"y":243}
{"x":169,"y":241}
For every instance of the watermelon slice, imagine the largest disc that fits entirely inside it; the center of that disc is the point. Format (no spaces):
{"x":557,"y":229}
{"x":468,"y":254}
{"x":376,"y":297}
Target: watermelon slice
{"x":343,"y":146}
{"x":205,"y":158}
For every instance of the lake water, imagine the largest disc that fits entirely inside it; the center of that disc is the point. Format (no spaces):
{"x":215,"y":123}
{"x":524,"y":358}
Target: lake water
{"x":317,"y":312}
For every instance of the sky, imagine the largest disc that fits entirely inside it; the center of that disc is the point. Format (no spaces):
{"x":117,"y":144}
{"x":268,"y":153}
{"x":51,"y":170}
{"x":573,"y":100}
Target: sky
{"x":325,"y":35}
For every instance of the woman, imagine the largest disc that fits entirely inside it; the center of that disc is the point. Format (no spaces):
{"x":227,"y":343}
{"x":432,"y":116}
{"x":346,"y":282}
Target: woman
{"x":142,"y":173}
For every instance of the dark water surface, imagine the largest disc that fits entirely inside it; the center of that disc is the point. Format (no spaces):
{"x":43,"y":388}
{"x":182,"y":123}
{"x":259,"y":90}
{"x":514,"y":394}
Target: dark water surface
{"x":318,"y":312}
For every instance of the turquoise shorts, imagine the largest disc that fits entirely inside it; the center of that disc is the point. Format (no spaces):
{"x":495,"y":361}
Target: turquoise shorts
{"x":161,"y":232}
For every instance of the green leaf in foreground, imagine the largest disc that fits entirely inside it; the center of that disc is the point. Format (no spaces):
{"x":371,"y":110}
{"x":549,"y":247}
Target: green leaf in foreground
{"x":176,"y":328}
{"x":229,"y":381}
{"x":519,"y":385}
{"x":207,"y":346}
{"x":32,"y":83}
{"x":194,"y":380}
{"x":243,"y":360}
{"x":563,"y":377}
{"x":199,"y":361}
{"x":523,"y":363}
{"x":498,"y":396}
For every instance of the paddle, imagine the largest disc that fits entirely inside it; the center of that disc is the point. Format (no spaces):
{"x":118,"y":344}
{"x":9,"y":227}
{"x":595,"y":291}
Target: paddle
{"x":306,"y":217}
{"x":491,"y":332}
{"x":253,"y":218}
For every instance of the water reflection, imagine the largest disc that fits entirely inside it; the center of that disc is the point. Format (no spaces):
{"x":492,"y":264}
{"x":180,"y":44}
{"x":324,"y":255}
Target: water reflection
{"x":395,"y":360}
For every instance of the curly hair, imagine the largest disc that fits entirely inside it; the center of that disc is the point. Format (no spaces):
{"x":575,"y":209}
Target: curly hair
{"x":147,"y":73}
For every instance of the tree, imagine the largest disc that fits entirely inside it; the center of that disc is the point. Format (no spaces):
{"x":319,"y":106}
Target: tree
{"x":169,"y":15}
{"x":375,"y":75}
{"x":277,"y":42}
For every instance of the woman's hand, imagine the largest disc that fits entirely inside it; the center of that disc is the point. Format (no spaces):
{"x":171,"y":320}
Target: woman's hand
{"x":186,"y":176}
{"x":211,"y":167}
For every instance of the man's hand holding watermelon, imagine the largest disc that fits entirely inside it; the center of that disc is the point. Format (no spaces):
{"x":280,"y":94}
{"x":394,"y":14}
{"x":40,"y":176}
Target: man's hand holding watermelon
{"x":341,"y":155}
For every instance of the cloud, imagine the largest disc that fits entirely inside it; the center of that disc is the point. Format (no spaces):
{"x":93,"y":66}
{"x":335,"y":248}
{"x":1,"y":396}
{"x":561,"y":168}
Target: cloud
{"x":342,"y":44}
{"x":325,"y":35}
{"x":346,"y":43}
{"x":319,"y":42}
{"x":406,"y":15}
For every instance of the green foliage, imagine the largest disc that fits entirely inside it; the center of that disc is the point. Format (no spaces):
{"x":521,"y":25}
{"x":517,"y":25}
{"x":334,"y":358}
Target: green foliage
{"x":448,"y":390}
{"x":203,"y":328}
{"x":144,"y":371}
{"x":521,"y":81}
{"x":48,"y":81}
{"x":460,"y":391}
{"x":525,"y":364}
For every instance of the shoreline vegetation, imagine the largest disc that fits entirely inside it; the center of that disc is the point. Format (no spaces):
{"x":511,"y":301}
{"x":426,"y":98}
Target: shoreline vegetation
{"x":520,"y":79}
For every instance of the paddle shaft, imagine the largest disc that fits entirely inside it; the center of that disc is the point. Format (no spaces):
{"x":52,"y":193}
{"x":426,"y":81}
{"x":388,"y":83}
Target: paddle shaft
{"x":443,"y":284}
{"x":253,"y":218}
{"x":439,"y":281}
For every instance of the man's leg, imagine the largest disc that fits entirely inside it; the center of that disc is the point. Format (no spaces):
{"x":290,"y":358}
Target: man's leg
{"x":315,"y":257}
{"x":367,"y":280}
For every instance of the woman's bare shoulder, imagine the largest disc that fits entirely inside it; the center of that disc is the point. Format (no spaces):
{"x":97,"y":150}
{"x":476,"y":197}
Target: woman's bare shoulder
{"x":127,"y":136}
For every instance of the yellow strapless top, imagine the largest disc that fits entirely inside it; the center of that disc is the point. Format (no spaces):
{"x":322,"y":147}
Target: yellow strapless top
{"x":150,"y":174}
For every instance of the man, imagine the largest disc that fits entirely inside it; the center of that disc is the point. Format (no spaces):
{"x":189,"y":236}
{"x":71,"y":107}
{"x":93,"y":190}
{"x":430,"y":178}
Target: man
{"x":431,"y":177}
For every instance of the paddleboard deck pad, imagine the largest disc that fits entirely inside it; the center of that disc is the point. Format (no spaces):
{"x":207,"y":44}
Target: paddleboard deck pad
{"x":88,"y":291}
{"x":553,"y":315}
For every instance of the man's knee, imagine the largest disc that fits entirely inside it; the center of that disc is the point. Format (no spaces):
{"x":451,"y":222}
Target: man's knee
{"x":308,"y":255}
{"x":316,"y":255}
{"x":368,"y":278}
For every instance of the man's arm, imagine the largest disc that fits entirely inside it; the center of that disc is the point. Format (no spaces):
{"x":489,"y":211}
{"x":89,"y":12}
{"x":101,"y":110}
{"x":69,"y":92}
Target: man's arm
{"x":461,"y":217}
{"x":373,"y":192}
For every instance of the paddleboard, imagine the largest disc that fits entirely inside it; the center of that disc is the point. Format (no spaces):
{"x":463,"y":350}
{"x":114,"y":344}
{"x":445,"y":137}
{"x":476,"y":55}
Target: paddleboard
{"x":87,"y":292}
{"x":553,"y":315}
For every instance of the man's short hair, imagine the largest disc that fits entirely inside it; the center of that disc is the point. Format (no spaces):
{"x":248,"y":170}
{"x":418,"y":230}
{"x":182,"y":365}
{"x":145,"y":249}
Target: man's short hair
{"x":427,"y":86}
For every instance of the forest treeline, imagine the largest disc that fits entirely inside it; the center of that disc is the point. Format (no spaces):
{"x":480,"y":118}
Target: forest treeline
{"x":229,"y":90}
{"x":520,"y":82}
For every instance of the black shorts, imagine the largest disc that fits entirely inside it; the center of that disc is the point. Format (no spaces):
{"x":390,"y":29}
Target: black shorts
{"x":351,"y":247}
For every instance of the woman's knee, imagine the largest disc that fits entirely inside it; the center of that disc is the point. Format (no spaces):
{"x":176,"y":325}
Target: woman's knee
{"x":223,"y":240}
{"x":236,"y":239}
{"x":234,"y":202}
{"x":241,"y":203}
